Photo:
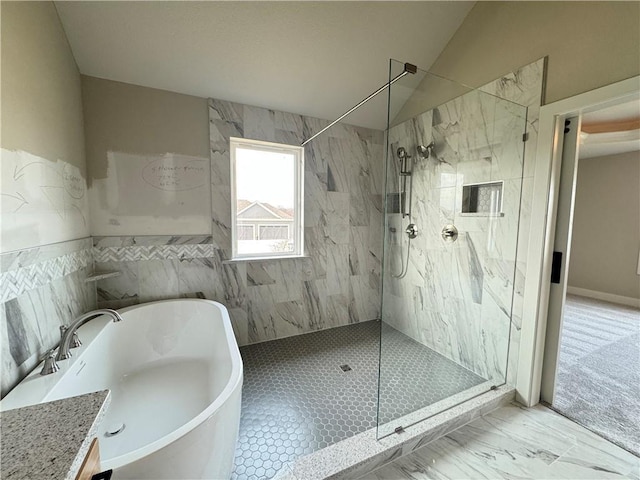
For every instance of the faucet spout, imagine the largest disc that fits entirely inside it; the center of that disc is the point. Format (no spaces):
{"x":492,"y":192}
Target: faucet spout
{"x":67,"y":336}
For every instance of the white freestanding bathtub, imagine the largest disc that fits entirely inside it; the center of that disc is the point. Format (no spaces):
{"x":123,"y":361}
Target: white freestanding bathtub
{"x":175,"y":375}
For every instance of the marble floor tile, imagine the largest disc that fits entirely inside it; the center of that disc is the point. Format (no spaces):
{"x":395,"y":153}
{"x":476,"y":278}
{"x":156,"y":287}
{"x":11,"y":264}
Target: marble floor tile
{"x":515,"y":442}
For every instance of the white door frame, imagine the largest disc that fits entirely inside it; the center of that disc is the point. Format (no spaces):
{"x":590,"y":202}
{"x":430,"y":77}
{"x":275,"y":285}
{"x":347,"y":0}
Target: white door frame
{"x":543,"y":222}
{"x":562,"y":245}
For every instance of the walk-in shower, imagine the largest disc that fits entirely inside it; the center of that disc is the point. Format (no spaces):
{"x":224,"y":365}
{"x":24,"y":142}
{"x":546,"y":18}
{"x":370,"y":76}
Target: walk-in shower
{"x":453,"y":183}
{"x":454,"y":173}
{"x":432,"y":227}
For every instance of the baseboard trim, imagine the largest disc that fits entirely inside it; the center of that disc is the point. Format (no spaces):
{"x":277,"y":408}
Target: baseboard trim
{"x":607,"y":297}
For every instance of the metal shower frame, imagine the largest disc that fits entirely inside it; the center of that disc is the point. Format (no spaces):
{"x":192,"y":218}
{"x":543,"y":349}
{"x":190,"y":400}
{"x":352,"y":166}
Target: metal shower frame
{"x":408,"y":68}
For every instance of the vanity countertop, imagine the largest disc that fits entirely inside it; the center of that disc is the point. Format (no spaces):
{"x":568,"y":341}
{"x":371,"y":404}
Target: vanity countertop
{"x":50,"y":440}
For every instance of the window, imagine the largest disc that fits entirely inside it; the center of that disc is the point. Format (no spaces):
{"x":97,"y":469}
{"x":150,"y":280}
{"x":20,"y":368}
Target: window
{"x":266,"y":199}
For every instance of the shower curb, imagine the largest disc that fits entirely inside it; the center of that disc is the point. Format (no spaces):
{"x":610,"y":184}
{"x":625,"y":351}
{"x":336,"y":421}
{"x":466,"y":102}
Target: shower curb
{"x":363,"y":453}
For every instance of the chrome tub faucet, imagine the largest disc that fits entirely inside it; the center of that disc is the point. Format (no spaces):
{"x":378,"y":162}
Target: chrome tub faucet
{"x":68,"y":335}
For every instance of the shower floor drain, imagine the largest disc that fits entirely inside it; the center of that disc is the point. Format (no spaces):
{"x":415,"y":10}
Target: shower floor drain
{"x":345,"y":368}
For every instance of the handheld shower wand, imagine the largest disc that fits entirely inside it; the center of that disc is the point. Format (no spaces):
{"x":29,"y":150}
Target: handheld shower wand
{"x":405,"y":171}
{"x":404,"y":157}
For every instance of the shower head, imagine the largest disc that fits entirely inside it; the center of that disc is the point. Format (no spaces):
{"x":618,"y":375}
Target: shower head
{"x":402,"y":153}
{"x":425,"y":152}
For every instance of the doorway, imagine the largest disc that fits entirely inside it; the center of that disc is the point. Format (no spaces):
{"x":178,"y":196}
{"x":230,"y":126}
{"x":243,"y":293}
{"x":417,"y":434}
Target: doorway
{"x":591,"y":370}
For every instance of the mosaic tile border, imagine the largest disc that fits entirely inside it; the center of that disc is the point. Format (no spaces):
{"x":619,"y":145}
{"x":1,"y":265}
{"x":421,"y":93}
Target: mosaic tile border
{"x":149,"y":240}
{"x":23,"y":277}
{"x":17,"y":259}
{"x":16,"y":282}
{"x":151,"y":252}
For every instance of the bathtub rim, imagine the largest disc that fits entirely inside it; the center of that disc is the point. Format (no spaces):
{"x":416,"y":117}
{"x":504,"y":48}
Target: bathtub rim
{"x":235,"y":381}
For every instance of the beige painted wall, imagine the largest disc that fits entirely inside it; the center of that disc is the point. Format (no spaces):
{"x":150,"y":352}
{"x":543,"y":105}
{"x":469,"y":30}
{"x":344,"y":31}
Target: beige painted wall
{"x":132,"y":132}
{"x":43,"y":169}
{"x":140,"y":120}
{"x":588,"y":44}
{"x":41,"y":100}
{"x":606,"y":225}
{"x":42,"y":151}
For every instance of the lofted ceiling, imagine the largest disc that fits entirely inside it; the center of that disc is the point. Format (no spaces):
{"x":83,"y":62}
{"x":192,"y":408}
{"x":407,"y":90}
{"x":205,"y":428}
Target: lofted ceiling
{"x":611,"y":130}
{"x":311,"y":58}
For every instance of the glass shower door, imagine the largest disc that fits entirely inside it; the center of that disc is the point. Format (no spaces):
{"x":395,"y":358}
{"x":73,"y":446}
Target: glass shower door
{"x":453,"y":184}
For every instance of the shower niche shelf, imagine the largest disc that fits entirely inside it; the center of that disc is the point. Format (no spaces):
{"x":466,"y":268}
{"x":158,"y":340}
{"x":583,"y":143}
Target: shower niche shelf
{"x":482,"y":199}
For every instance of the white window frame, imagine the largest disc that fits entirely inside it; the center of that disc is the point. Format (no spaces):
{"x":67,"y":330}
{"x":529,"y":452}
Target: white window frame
{"x":298,"y":192}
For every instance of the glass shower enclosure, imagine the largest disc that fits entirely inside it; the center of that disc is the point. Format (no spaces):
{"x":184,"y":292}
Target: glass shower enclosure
{"x":453,"y":182}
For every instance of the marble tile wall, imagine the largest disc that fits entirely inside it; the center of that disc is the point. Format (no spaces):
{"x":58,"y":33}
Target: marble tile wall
{"x":25,"y":277}
{"x":464,"y":299}
{"x":338,"y":281}
{"x":41,"y":289}
{"x":155,"y":268}
{"x":525,"y":87}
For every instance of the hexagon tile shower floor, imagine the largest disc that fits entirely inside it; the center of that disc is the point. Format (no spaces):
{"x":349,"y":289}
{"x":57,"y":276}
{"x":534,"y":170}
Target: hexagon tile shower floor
{"x":310,"y":391}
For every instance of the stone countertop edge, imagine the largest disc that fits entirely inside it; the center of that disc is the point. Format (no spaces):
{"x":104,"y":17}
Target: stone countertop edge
{"x":91,"y":434}
{"x":362,"y":453}
{"x":50,"y":440}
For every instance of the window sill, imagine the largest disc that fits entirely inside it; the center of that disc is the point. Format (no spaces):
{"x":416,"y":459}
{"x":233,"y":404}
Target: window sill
{"x":264,"y":259}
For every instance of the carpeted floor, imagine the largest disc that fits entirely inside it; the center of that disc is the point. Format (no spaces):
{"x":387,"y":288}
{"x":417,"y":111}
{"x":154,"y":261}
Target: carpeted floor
{"x":598,"y":383}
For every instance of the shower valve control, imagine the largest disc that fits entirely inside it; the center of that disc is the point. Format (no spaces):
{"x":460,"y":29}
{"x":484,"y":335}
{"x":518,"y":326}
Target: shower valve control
{"x":411,"y":230}
{"x":449,"y":233}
